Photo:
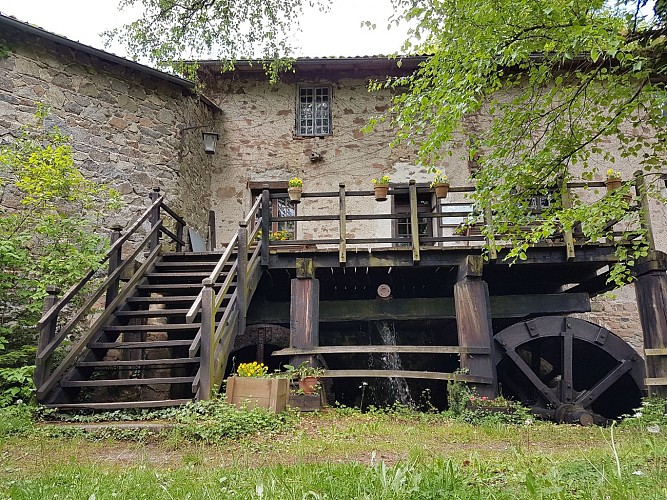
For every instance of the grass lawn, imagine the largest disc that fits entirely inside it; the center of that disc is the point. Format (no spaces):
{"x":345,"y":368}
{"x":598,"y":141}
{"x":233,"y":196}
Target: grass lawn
{"x":335,"y":455}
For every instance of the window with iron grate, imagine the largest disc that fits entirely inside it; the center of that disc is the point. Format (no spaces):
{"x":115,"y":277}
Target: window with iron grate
{"x":313,"y":113}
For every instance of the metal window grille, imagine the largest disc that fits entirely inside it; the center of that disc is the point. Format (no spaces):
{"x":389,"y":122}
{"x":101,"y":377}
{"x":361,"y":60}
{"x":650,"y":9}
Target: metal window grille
{"x":314,"y":111}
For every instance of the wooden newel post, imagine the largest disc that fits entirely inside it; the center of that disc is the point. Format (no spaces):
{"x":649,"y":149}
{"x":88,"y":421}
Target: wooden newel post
{"x":154,"y":218}
{"x":114,"y":262}
{"x":206,"y":367}
{"x":473,"y":323}
{"x":212,"y":237}
{"x":414,"y":220}
{"x":266,"y":225}
{"x":242,"y":276}
{"x":342,"y":214}
{"x":46,"y":334}
{"x":304,"y":311}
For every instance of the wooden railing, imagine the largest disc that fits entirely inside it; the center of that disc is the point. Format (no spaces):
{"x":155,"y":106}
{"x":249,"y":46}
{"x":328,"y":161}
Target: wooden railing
{"x":51,"y":337}
{"x":214,"y":341}
{"x":453,"y":207}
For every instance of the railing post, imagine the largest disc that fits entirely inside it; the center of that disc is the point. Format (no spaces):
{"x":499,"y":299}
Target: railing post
{"x":266,"y":225}
{"x":179,"y":236}
{"x":46,"y":334}
{"x":212,"y":239}
{"x":154,"y":218}
{"x":644,"y":211}
{"x":414,"y":220}
{"x":207,"y":350}
{"x":568,"y":238}
{"x":490,"y":234}
{"x":342,"y":245}
{"x":242,"y":275}
{"x":114,"y":262}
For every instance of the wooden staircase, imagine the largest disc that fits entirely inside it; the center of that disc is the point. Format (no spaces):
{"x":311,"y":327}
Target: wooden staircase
{"x":163,"y":338}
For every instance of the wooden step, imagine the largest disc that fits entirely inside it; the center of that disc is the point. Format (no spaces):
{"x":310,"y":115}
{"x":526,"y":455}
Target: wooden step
{"x":189,"y":264}
{"x":161,"y":300}
{"x":175,"y":287}
{"x":152,"y":313}
{"x":120,"y":405}
{"x":199,"y":275}
{"x":160,"y":313}
{"x":126,"y":381}
{"x":138,"y":362}
{"x":153,"y":328}
{"x":151,"y":344}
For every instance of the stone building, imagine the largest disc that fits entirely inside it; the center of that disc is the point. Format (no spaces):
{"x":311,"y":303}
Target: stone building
{"x":136,"y":128}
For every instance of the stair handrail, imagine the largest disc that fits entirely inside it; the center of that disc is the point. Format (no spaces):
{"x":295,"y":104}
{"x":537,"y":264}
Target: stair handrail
{"x":209,"y":336}
{"x":222,"y":262}
{"x":50,"y":339}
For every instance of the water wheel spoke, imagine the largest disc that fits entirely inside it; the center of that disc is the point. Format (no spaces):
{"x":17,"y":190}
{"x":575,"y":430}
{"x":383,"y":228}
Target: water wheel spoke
{"x":567,"y":383}
{"x":586,"y":398}
{"x":542,"y":389}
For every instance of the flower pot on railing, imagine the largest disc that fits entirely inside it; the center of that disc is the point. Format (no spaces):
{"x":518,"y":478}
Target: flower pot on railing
{"x":381,"y":187}
{"x":295,"y":194}
{"x":381,"y":192}
{"x":441,"y":189}
{"x":294,"y":189}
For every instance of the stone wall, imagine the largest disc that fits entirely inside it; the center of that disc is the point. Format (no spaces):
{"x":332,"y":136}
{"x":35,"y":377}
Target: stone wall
{"x":124,"y":124}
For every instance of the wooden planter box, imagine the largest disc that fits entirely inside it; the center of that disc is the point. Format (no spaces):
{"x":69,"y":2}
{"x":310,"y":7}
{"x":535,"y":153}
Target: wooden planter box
{"x":269,"y":393}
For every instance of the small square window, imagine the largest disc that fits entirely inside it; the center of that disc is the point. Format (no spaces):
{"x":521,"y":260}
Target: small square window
{"x":313,"y":111}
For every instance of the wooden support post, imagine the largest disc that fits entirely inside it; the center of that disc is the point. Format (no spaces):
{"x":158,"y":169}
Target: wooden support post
{"x":342,"y":245}
{"x":212,"y":239}
{"x":414,"y":220}
{"x":46,"y":334}
{"x":114,"y":262}
{"x":266,"y":226}
{"x":651,"y":291}
{"x":568,"y":238}
{"x":242,"y":276}
{"x":207,"y":350}
{"x":305,"y":311}
{"x":473,"y":322}
{"x":154,"y":219}
{"x":644,"y":211}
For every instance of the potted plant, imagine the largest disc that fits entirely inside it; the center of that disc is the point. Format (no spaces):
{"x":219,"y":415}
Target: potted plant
{"x":613,"y":180}
{"x":440,"y":184}
{"x":294,"y":189}
{"x":381,"y":187}
{"x":307,"y":376}
{"x":252,"y":387}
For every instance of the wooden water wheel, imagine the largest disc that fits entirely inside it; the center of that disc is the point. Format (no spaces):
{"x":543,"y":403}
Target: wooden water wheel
{"x":569,"y":370}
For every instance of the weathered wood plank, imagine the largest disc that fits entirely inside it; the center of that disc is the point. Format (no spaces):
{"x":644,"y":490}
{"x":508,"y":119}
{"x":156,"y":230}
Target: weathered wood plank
{"x":505,"y":306}
{"x":405,"y":374}
{"x":126,"y":381}
{"x":137,"y":362}
{"x":406,"y":349}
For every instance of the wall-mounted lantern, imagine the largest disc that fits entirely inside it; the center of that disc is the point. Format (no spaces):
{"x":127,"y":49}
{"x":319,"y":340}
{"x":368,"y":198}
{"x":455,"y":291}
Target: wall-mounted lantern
{"x":210,"y":141}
